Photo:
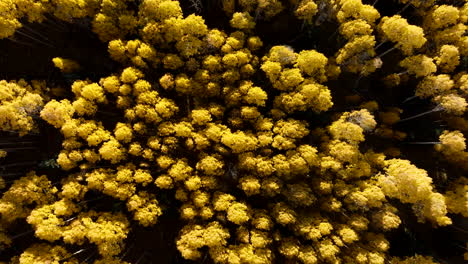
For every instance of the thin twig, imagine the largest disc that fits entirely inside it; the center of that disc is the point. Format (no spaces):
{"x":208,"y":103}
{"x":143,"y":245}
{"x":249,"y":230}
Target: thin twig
{"x":20,"y":42}
{"x":75,"y":253}
{"x":69,"y":220}
{"x":36,"y":32}
{"x":17,"y":143}
{"x":17,"y":149}
{"x":356,"y":83}
{"x":409,"y":99}
{"x":18,"y":164}
{"x":460,"y":229}
{"x":403,"y":72}
{"x":380,"y":44}
{"x":89,"y":257}
{"x":333,"y":34}
{"x":385,"y":53}
{"x":435,"y":109}
{"x":404,"y":8}
{"x":33,"y":38}
{"x":91,"y":200}
{"x":7,"y":175}
{"x":141,"y":257}
{"x":126,"y":252}
{"x":22,"y":234}
{"x":423,"y":143}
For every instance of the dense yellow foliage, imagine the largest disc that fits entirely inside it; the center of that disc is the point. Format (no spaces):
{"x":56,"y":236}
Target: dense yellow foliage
{"x":245,"y":140}
{"x":19,"y":102}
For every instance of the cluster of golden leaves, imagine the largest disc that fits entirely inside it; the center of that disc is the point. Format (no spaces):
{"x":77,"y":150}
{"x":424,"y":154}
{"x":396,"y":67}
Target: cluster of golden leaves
{"x":215,"y":118}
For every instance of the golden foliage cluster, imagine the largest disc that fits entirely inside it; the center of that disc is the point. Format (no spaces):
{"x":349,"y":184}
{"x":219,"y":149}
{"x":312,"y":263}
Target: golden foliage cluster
{"x":248,"y":141}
